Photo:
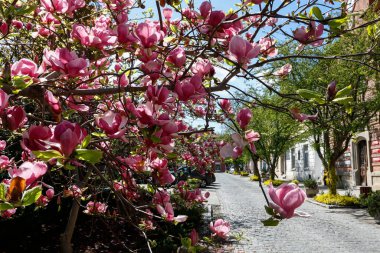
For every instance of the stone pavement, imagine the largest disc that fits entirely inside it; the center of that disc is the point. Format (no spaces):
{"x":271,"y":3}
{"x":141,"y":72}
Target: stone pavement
{"x":327,"y":230}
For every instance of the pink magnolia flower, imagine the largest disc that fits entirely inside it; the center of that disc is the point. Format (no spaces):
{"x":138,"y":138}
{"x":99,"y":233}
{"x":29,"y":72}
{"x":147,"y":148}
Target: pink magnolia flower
{"x":177,"y":57}
{"x":244,"y":117}
{"x":36,"y":138}
{"x":271,"y":21}
{"x":167,"y":213}
{"x":4,"y":97}
{"x":50,"y":193}
{"x":17,"y":24}
{"x":24,"y":67}
{"x":253,"y":1}
{"x":215,"y":18}
{"x":53,"y":102}
{"x":202,"y":67}
{"x":99,"y":36}
{"x":95,"y":207}
{"x":310,"y":35}
{"x":113,"y":124}
{"x":190,"y":89}
{"x":225,"y":104}
{"x":286,"y":198}
{"x":125,"y":34}
{"x":66,"y":62}
{"x":205,"y":9}
{"x":242,"y":50}
{"x":30,"y":171}
{"x":331,"y":90}
{"x":220,"y":228}
{"x":157,"y":95}
{"x":226,"y":151}
{"x":168,"y":13}
{"x":8,"y":213}
{"x":14,"y":118}
{"x":252,"y":136}
{"x":268,"y":47}
{"x":284,"y":70}
{"x":194,"y":237}
{"x":301,"y":117}
{"x":148,"y":34}
{"x":68,"y":135}
{"x":58,"y":6}
{"x":4,"y":28}
{"x":161,"y":197}
{"x":4,"y":162}
{"x":3,"y":144}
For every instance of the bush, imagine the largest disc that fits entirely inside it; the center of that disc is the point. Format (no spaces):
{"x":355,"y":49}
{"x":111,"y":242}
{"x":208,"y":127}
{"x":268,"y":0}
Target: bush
{"x":244,"y":174}
{"x":254,"y":178}
{"x":373,"y":204}
{"x":236,"y":173}
{"x":339,"y":200}
{"x":295,"y":181}
{"x":275,"y":182}
{"x":311,"y":184}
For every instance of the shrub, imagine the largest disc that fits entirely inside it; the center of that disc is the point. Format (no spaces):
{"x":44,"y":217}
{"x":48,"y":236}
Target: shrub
{"x":275,"y":182}
{"x":339,"y":200}
{"x":236,"y":173}
{"x":373,"y":203}
{"x":254,"y":178}
{"x":244,"y":174}
{"x":311,"y":184}
{"x":295,"y":181}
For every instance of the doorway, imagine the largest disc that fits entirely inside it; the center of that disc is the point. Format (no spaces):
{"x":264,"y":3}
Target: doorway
{"x":362,"y":162}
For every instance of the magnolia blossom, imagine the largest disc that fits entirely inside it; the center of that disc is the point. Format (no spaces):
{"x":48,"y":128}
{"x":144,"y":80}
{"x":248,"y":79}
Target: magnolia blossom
{"x":284,"y":70}
{"x":177,"y":57}
{"x":3,"y":144}
{"x":95,"y":207}
{"x":167,"y":213}
{"x":30,"y":171}
{"x":4,"y":97}
{"x":24,"y":67}
{"x":62,"y":6}
{"x":242,"y":50}
{"x":244,"y":117}
{"x":225,"y":104}
{"x":148,"y":34}
{"x":286,"y":198}
{"x":168,"y":13}
{"x":268,"y":47}
{"x":331,"y":90}
{"x":14,"y":118}
{"x":65,"y":61}
{"x":310,"y":35}
{"x":194,"y":237}
{"x":220,"y":228}
{"x":113,"y":124}
{"x":301,"y":117}
{"x":36,"y":138}
{"x":205,"y":9}
{"x":68,"y":136}
{"x":190,"y":89}
{"x":8,"y":213}
{"x":53,"y":102}
{"x":202,"y":67}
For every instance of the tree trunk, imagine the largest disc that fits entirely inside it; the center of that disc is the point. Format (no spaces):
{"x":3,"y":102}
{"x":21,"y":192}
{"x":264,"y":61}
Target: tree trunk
{"x":65,"y":238}
{"x":272,"y":172}
{"x":256,"y":170}
{"x":331,"y":178}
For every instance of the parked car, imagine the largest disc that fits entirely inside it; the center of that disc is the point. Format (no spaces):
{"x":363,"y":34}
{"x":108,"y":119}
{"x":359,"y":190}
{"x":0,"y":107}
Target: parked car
{"x":186,"y":172}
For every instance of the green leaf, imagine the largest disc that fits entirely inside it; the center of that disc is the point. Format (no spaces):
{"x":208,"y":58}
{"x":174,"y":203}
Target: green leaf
{"x":5,"y":206}
{"x":98,"y":134}
{"x":343,"y":100}
{"x":88,"y":155}
{"x":344,"y":92}
{"x":308,"y":94}
{"x":86,"y":141}
{"x":270,"y":222}
{"x":336,"y":23}
{"x":174,"y":28}
{"x":47,"y":155}
{"x":31,"y":196}
{"x":155,"y":139}
{"x":316,"y":12}
{"x":3,"y":191}
{"x":269,"y":210}
{"x":25,"y":10}
{"x":20,"y":83}
{"x":186,"y":242}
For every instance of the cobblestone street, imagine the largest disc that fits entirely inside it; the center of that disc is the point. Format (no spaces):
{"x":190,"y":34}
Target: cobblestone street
{"x":327,"y":230}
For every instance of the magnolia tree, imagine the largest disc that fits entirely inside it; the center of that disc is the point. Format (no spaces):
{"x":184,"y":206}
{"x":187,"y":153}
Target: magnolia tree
{"x":93,"y":99}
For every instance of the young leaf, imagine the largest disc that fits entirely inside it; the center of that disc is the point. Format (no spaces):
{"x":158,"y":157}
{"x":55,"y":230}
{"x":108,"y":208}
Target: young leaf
{"x":31,"y":196}
{"x":3,"y":191}
{"x":5,"y":206}
{"x":47,"y":155}
{"x":308,"y":94}
{"x":343,"y":100}
{"x":344,"y":92}
{"x":86,"y":141}
{"x":270,"y":222}
{"x":91,"y":156}
{"x":316,"y":12}
{"x":269,"y":210}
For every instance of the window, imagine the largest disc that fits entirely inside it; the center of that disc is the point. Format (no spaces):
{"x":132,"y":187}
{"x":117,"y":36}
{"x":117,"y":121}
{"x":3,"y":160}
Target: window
{"x":305,"y":156}
{"x":299,"y":155}
{"x":293,"y":153}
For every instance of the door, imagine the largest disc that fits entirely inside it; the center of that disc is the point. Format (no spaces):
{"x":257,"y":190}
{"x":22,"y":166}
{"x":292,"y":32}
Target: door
{"x":362,"y":162}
